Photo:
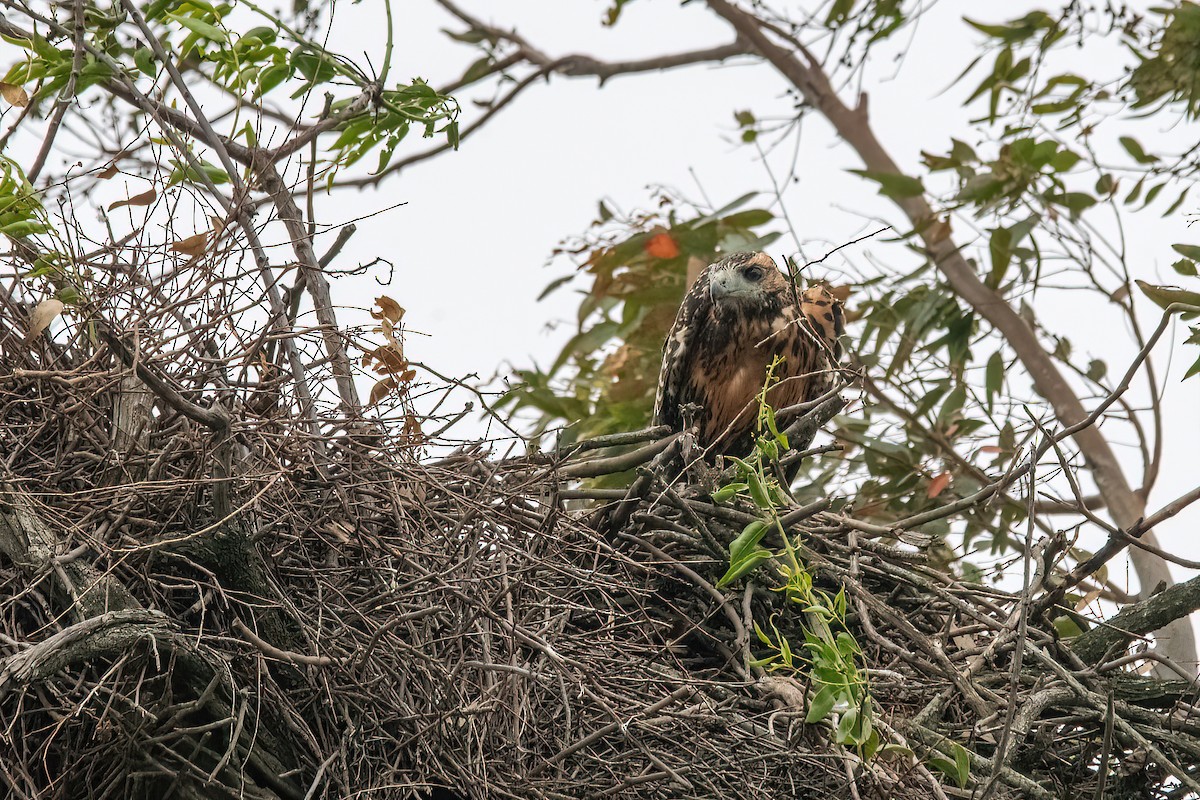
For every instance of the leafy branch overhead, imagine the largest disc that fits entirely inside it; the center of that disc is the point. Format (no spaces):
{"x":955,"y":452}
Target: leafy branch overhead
{"x":636,"y":267}
{"x":264,"y":63}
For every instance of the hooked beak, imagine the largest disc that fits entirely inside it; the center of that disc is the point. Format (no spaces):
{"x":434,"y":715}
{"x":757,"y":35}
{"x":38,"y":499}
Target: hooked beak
{"x":722,"y":285}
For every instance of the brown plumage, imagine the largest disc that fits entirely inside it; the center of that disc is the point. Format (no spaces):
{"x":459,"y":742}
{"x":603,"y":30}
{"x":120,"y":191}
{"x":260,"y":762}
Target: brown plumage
{"x":738,"y":315}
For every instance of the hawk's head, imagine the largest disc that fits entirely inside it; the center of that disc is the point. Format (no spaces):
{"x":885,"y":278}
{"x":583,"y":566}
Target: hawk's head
{"x":747,"y":283}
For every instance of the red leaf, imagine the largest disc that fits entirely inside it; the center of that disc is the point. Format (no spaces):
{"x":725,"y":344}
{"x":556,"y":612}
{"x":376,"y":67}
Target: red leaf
{"x":938,"y":484}
{"x":661,"y":245}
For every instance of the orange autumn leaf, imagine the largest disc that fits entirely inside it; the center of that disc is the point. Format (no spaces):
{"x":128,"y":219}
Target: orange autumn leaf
{"x":661,"y":245}
{"x":938,"y":485}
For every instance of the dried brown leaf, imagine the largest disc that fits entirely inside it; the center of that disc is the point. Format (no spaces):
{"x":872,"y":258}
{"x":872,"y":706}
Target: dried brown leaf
{"x":389,"y":310}
{"x":938,"y":484}
{"x":840,"y":293}
{"x":387,"y":359}
{"x":15,"y":95}
{"x":191,"y":246}
{"x":412,"y":428}
{"x":381,"y":390}
{"x":108,"y":172}
{"x":939,"y":231}
{"x":1088,"y":599}
{"x":45,"y":313}
{"x":143,"y":199}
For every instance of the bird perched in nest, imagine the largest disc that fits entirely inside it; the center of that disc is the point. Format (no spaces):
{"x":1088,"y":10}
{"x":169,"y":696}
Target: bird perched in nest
{"x":740,"y":314}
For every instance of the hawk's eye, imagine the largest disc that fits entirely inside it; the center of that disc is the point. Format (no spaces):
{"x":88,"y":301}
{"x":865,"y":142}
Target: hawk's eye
{"x":754,"y":274}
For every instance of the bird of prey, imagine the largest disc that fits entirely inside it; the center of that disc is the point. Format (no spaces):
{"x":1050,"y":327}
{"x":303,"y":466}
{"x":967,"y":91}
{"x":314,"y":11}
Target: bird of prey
{"x":740,"y":314}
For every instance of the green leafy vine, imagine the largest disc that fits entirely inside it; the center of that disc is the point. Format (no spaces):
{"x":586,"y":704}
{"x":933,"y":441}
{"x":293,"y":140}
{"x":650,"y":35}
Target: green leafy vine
{"x":840,"y":689}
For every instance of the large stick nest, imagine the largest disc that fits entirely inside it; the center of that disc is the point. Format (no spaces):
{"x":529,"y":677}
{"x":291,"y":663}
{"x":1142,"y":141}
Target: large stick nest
{"x":248,"y":609}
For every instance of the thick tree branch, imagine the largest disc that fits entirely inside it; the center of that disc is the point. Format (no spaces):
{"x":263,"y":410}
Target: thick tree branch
{"x":1138,"y":619}
{"x":104,"y":636}
{"x":29,"y":541}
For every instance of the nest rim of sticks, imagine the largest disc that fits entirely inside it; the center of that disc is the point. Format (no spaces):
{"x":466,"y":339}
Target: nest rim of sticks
{"x":213,"y":610}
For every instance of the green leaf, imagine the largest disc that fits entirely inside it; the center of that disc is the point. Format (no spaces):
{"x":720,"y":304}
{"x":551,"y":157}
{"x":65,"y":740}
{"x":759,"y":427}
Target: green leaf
{"x":700,"y":222}
{"x":962,"y":762}
{"x":1134,"y":148}
{"x":1187,"y":251}
{"x":187,"y":173}
{"x":954,"y":403}
{"x":1064,"y":160}
{"x":744,"y":565}
{"x":958,"y":770}
{"x":839,"y":12}
{"x":200,"y":27}
{"x":1153,"y":193}
{"x":1075,"y":202}
{"x":1000,"y":247}
{"x":846,"y":727}
{"x":1164,"y":296}
{"x":748,"y":539}
{"x":1185,"y":267}
{"x":1193,"y":370}
{"x":751,"y":218}
{"x":758,"y":491}
{"x":23,"y":228}
{"x":821,"y":704}
{"x":1171,"y":209}
{"x":1054,"y":107}
{"x":728,"y":492}
{"x":478,"y":69}
{"x":271,"y":77}
{"x":472,"y":36}
{"x":1067,"y":627}
{"x":143,"y":58}
{"x":262,"y":33}
{"x":944,"y":766}
{"x":895,"y":751}
{"x":893,"y":184}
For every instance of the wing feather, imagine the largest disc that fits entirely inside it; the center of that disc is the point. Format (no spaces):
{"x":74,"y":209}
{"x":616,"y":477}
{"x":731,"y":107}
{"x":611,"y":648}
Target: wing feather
{"x":677,"y":379}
